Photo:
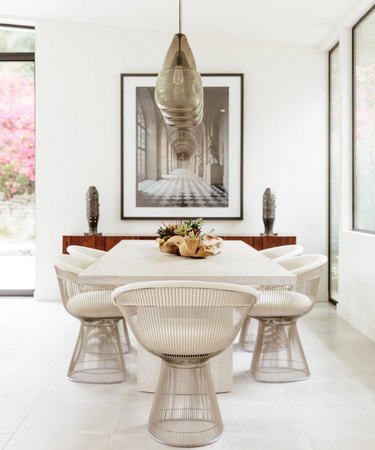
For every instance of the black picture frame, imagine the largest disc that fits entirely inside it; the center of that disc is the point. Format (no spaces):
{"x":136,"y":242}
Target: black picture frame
{"x":167,"y":173}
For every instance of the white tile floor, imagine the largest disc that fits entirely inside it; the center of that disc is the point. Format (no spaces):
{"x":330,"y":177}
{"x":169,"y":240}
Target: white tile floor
{"x":41,"y":410}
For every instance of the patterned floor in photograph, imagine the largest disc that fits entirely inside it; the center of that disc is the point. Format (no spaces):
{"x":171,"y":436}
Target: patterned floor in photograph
{"x":182,"y":188}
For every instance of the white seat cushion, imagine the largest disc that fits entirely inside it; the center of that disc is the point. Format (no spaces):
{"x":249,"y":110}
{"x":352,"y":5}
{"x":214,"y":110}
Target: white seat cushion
{"x":179,"y":336}
{"x":95,"y":304}
{"x":277,"y":303}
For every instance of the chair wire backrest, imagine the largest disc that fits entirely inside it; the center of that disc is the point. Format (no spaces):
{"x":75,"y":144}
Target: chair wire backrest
{"x":308,"y":269}
{"x":176,"y":320}
{"x":282,"y":252}
{"x":87,"y":252}
{"x":308,"y":282}
{"x":68,"y":284}
{"x":67,"y":276}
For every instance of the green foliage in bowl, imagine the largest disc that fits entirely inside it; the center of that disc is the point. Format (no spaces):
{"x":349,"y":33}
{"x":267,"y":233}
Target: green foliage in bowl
{"x":189,"y":228}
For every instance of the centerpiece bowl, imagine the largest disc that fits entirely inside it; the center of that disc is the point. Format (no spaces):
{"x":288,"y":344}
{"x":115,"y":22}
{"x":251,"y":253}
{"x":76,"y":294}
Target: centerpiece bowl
{"x":187,"y":239}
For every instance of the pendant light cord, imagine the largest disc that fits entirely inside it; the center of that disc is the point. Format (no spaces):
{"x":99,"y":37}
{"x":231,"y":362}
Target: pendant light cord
{"x":179,"y":16}
{"x":179,"y":59}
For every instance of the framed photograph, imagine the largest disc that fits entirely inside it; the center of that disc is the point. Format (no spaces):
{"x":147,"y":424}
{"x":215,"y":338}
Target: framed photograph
{"x":171,"y":173}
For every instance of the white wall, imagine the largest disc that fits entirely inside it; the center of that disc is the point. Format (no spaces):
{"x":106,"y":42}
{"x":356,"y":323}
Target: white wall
{"x":78,"y":132}
{"x":357,"y":281}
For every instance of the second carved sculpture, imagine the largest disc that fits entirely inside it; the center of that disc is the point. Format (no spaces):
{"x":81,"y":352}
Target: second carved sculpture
{"x":92,"y":210}
{"x":269,"y":212}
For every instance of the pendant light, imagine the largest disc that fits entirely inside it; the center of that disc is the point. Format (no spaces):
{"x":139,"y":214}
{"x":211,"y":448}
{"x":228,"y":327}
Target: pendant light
{"x":179,"y":90}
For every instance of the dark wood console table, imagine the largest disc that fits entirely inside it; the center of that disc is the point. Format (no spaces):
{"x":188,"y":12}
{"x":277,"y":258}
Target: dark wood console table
{"x":106,"y":242}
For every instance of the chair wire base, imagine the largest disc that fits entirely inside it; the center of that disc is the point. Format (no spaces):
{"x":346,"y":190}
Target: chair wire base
{"x":98,"y":356}
{"x":185,"y":411}
{"x":248,"y":334}
{"x":124,"y":337}
{"x":278,"y":354}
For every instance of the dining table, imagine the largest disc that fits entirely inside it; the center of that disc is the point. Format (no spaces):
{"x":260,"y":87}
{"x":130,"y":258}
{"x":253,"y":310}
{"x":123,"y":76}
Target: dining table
{"x":141,"y":260}
{"x":236,"y":262}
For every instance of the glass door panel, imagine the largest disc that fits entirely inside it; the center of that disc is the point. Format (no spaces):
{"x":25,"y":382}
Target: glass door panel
{"x":364,"y":123}
{"x":334,"y":171}
{"x":17,"y":186}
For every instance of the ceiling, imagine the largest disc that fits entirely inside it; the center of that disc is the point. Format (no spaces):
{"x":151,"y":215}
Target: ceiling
{"x":287,"y":21}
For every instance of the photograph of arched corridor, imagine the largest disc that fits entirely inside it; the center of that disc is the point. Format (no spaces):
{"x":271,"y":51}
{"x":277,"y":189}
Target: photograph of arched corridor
{"x":182,"y":167}
{"x":174,"y":172}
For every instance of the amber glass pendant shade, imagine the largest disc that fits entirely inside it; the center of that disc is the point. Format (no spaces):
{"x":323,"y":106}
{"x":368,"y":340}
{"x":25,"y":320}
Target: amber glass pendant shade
{"x":179,"y":91}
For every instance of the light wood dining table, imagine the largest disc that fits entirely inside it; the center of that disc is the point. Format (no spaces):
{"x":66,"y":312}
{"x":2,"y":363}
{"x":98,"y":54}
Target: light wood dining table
{"x":141,"y":260}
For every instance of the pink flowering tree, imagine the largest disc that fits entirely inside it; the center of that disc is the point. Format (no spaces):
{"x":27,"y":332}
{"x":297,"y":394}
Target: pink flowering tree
{"x":17,"y":139}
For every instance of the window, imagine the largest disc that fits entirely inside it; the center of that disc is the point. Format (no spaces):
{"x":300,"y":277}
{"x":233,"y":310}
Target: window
{"x":334,"y":170}
{"x":141,"y":143}
{"x":17,"y":207}
{"x":364,"y":123}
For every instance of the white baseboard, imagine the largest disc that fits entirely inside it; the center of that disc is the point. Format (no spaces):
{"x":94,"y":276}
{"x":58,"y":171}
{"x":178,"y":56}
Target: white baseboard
{"x":47,"y":296}
{"x":356,"y":322}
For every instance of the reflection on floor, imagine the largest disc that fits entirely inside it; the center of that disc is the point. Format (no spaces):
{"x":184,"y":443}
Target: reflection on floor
{"x":182,"y":188}
{"x":41,"y":410}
